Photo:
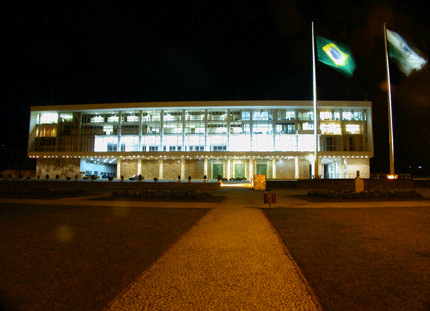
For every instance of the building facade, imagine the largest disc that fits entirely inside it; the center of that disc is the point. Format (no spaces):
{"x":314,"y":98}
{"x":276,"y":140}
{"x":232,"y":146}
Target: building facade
{"x":228,"y":139}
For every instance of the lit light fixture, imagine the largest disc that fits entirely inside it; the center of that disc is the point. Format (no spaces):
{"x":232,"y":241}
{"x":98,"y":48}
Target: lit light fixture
{"x":392,"y":176}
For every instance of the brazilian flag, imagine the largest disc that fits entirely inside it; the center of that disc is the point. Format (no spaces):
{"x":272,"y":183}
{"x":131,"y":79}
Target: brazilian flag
{"x":335,"y":55}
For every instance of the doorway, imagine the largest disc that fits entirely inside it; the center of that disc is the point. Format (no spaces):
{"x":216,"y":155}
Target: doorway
{"x":217,"y":170}
{"x":262,"y":169}
{"x":239,"y":171}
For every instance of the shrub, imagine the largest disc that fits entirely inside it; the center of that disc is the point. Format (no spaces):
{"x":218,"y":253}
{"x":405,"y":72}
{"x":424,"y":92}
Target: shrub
{"x":372,"y":194}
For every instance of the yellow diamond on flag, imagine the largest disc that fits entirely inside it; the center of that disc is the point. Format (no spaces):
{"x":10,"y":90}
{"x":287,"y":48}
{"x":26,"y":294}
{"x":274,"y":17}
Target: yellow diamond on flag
{"x":335,"y":54}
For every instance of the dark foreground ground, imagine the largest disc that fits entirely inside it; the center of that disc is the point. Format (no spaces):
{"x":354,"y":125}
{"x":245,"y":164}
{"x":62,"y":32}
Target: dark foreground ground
{"x":80,"y":258}
{"x":361,"y":259}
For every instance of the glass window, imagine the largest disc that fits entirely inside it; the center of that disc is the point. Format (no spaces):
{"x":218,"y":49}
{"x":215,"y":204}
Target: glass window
{"x":246,"y":115}
{"x":308,"y":126}
{"x":358,"y":116}
{"x":108,"y":129}
{"x":132,"y":118}
{"x":326,"y":115}
{"x":347,"y":115}
{"x":260,"y":115}
{"x":330,"y":128}
{"x":174,"y":128}
{"x":290,"y":115}
{"x":48,"y":118}
{"x":97,"y":119}
{"x":305,"y":115}
{"x":264,"y":128}
{"x":46,"y":131}
{"x":66,"y":117}
{"x":285,"y":128}
{"x":219,"y":148}
{"x":112,"y":119}
{"x":352,"y":128}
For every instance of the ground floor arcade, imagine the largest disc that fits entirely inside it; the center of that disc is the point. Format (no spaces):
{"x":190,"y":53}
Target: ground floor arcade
{"x":213,"y":167}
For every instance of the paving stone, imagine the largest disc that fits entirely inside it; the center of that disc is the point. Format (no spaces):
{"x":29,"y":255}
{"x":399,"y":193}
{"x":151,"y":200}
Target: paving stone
{"x":231,"y":260}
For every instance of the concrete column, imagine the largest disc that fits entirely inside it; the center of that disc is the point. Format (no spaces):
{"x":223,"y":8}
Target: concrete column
{"x":206,"y":132}
{"x":119,"y":130}
{"x":160,"y":170}
{"x":183,"y":131}
{"x":228,"y":129}
{"x":342,"y":168}
{"x":57,"y":137}
{"x":139,"y":166}
{"x":140,"y":130}
{"x":273,"y":168}
{"x":251,"y":168}
{"x":183,"y":169}
{"x":296,"y":168}
{"x":79,"y":133}
{"x":118,"y":168}
{"x":228,"y":169}
{"x":205,"y":167}
{"x":161,"y":130}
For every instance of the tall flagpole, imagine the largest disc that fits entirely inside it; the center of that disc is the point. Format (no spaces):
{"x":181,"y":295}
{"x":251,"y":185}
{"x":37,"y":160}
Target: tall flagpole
{"x":390,"y":112}
{"x":314,"y":76}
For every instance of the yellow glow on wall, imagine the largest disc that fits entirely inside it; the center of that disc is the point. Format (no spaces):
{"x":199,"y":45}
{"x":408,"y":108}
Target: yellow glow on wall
{"x":46,"y":131}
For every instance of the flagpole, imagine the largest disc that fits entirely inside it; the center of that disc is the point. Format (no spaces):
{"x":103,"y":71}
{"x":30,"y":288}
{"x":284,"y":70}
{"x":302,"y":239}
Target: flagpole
{"x":390,"y":112}
{"x":314,"y":78}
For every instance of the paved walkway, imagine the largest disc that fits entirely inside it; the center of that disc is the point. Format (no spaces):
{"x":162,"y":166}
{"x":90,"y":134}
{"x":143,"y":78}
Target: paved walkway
{"x":231,"y":260}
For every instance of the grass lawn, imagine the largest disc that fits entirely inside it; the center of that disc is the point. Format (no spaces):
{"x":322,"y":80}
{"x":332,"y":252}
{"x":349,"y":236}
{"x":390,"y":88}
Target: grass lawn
{"x":80,"y":258}
{"x":361,"y":259}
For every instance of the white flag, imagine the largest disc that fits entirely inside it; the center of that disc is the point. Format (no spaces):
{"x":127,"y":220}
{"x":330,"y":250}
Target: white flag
{"x":407,"y":58}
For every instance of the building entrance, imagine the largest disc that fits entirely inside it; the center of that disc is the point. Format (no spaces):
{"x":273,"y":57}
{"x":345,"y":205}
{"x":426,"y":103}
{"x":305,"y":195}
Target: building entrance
{"x":100,"y":167}
{"x":262,"y":169}
{"x":239,"y":171}
{"x":217,"y":171}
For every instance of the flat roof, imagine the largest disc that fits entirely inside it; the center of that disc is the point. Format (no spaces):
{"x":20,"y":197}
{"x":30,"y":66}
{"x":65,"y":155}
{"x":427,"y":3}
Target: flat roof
{"x":203,"y":104}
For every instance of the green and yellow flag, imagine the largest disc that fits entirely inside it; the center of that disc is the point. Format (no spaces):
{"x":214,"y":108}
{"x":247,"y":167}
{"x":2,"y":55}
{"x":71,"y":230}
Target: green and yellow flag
{"x":335,"y":55}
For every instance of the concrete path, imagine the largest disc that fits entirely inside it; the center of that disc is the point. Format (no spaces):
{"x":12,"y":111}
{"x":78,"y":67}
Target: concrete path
{"x":231,"y":260}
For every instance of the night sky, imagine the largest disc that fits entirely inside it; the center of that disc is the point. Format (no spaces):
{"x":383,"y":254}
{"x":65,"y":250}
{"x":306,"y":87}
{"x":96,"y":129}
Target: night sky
{"x":105,"y":51}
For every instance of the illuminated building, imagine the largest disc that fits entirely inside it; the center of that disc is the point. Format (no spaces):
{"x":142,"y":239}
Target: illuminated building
{"x":231,"y":139}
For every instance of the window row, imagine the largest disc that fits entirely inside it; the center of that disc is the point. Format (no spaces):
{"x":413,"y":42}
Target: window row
{"x":200,"y":115}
